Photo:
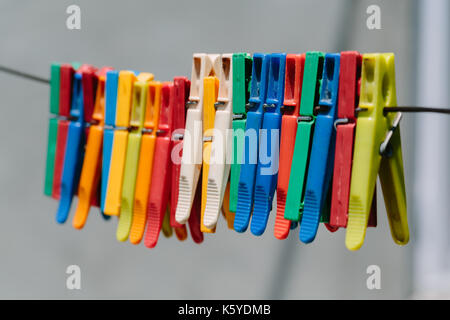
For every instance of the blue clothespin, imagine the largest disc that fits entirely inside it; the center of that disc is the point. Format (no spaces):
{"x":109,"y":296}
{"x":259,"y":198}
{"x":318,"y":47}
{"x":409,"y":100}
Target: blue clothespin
{"x":320,"y":171}
{"x":255,"y":111}
{"x":267,"y":170}
{"x":83,"y":99}
{"x":112,"y":80}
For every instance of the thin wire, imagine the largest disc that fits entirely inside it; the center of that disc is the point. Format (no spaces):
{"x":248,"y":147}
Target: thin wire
{"x":416,"y":109}
{"x":24,"y":75}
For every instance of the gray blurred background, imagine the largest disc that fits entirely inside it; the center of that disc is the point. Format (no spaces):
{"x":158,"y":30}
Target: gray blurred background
{"x":160,"y":37}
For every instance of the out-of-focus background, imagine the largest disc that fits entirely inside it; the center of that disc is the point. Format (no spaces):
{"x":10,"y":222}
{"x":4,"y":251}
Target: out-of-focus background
{"x":160,"y":37}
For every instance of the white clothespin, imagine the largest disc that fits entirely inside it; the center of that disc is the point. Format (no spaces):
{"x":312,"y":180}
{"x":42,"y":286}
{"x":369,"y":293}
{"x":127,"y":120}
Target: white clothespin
{"x":203,"y":65}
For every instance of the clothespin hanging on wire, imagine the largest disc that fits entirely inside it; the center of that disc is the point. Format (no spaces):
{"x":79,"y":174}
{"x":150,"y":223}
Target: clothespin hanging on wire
{"x":82,"y":107}
{"x":111,"y":84}
{"x":90,"y":172}
{"x":312,"y":78}
{"x":348,"y":99}
{"x":152,"y":102}
{"x":203,"y":65}
{"x":210,"y":90}
{"x":295,"y":64}
{"x":267,"y":169}
{"x":181,"y":87}
{"x":219,"y":169}
{"x":242,"y":71}
{"x":119,"y":149}
{"x":320,"y":171}
{"x":258,"y":89}
{"x":65,"y":100}
{"x":136,"y":124}
{"x":159,"y":195}
{"x":52,"y":128}
{"x":377,"y":151}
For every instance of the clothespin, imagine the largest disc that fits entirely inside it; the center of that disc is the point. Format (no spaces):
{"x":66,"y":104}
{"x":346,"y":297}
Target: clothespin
{"x":374,"y":155}
{"x":65,"y":99}
{"x":203,"y":65}
{"x":267,"y":169}
{"x":312,"y":78}
{"x":90,"y":173}
{"x":295,"y":64}
{"x":318,"y":181}
{"x":182,"y":87}
{"x":136,"y":124}
{"x":82,"y":106}
{"x":255,"y":111}
{"x":348,"y":99}
{"x":210,"y":90}
{"x":52,"y":128}
{"x":119,"y":148}
{"x":219,"y":169}
{"x":242,"y":71}
{"x":159,"y":194}
{"x":146,"y":158}
{"x":111,"y":84}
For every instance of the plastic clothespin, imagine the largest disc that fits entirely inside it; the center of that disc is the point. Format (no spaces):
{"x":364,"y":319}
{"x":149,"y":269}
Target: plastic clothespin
{"x":203,"y":65}
{"x":320,"y":172}
{"x":83,"y":100}
{"x":348,"y":99}
{"x":295,"y":64}
{"x":111,"y":84}
{"x":90,"y":172}
{"x":136,"y":124}
{"x":52,"y":128}
{"x":242,"y":71}
{"x":267,"y":169}
{"x":146,"y":158}
{"x":210,"y":90}
{"x":118,"y":154}
{"x":312,"y":78}
{"x":260,"y":69}
{"x":377,"y":93}
{"x":66,"y":72}
{"x":182,"y":87}
{"x":159,"y":194}
{"x":219,"y":168}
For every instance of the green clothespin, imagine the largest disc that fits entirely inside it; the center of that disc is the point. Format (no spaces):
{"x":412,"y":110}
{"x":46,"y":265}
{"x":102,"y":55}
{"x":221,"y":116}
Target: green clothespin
{"x":53,"y":128}
{"x":242,"y":71}
{"x":312,"y":80}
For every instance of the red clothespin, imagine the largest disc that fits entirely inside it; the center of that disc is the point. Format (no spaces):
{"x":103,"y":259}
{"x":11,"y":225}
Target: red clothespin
{"x":65,"y":100}
{"x":295,"y":64}
{"x":161,"y":174}
{"x":349,"y":83}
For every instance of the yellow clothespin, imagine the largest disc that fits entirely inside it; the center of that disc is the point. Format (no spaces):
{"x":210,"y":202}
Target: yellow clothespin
{"x":139,"y":104}
{"x":118,"y":156}
{"x":211,"y":86}
{"x":373,"y":126}
{"x":215,"y":179}
{"x":144,"y":173}
{"x":203,"y":65}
